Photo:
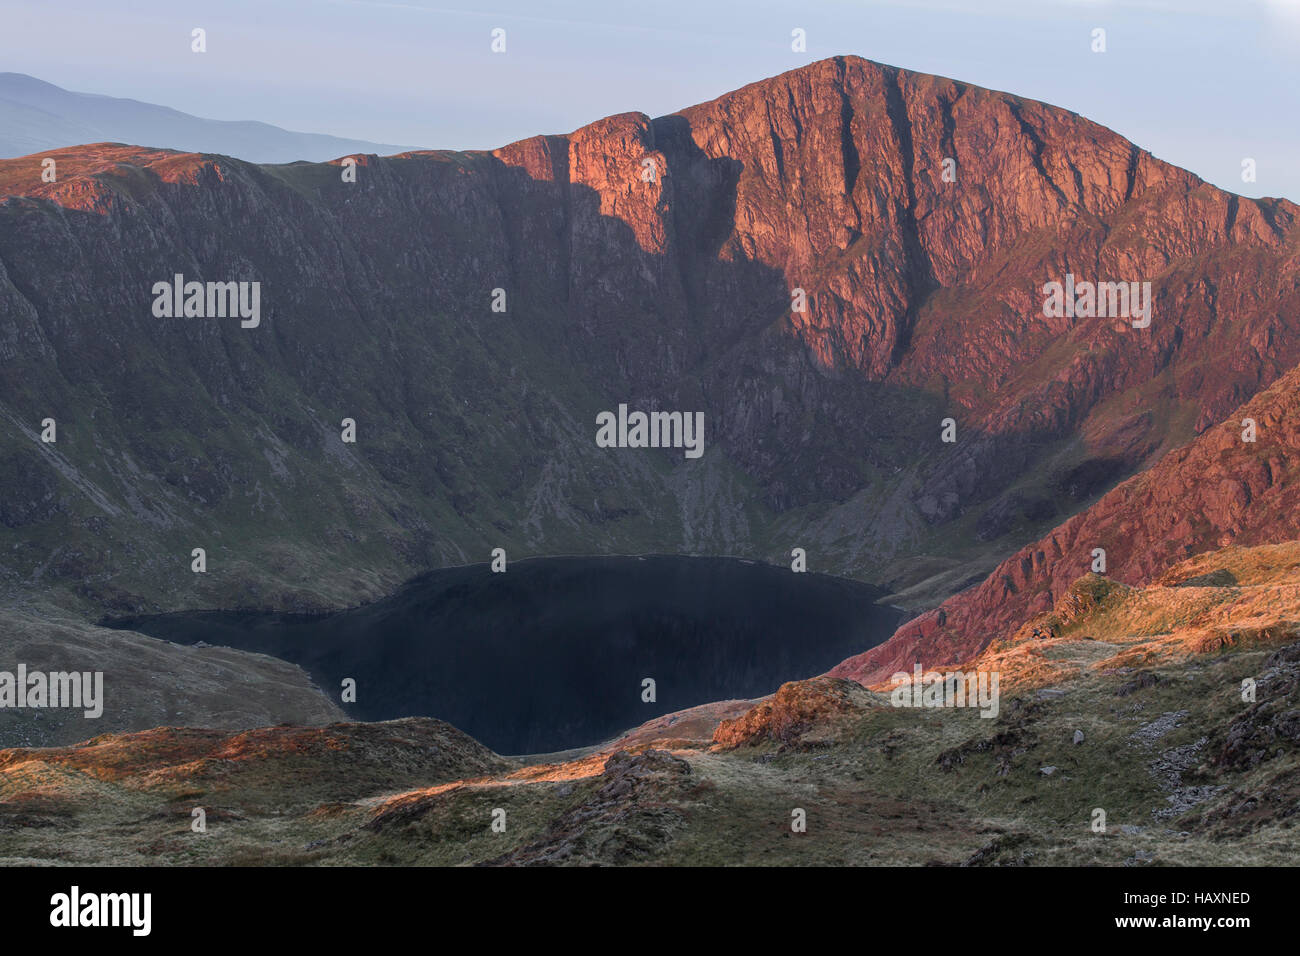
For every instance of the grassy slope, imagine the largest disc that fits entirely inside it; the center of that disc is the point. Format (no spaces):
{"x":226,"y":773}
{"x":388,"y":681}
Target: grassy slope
{"x":1186,"y":771}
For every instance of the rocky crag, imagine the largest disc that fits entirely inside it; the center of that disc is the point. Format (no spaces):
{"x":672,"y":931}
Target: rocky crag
{"x":646,"y":261}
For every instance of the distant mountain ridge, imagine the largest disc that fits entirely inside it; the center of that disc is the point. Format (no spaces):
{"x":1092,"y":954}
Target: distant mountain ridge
{"x":36,"y":116}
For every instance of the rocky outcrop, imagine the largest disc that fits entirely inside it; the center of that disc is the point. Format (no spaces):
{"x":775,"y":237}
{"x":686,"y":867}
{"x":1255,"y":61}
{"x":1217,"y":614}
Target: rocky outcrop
{"x":631,"y":817}
{"x":797,"y":713}
{"x":1221,"y":490}
{"x":1270,"y":726}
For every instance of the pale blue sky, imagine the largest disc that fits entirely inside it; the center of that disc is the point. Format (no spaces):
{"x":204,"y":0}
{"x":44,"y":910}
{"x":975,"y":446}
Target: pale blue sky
{"x":1198,"y":82}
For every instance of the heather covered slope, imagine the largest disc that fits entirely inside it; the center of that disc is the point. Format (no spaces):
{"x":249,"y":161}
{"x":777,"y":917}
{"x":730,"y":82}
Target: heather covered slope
{"x":1220,"y":490}
{"x":475,"y":428}
{"x":1134,"y":708}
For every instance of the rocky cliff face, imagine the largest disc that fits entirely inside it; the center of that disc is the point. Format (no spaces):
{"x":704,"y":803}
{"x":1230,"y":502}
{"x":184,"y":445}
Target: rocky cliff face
{"x":1219,"y":491}
{"x":647,"y":261}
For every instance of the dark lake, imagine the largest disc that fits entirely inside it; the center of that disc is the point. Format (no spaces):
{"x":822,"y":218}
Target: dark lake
{"x":551,"y":654}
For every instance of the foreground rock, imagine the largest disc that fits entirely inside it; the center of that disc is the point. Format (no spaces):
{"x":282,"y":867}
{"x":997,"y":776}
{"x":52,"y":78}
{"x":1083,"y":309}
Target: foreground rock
{"x":801,"y":712}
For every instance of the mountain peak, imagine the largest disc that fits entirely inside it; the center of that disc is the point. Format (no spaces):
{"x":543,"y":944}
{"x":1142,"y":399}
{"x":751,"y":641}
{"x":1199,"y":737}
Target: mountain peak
{"x":828,"y":264}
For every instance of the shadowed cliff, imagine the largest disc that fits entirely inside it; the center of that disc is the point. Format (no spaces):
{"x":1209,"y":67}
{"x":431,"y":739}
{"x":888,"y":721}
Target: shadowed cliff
{"x":670,"y":290}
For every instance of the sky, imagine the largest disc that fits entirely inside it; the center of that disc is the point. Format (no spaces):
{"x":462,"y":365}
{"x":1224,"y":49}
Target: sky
{"x":1204,"y":84}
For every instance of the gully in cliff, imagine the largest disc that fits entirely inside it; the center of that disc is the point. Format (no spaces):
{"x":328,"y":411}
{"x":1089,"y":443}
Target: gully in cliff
{"x":208,"y":300}
{"x":654,"y":430}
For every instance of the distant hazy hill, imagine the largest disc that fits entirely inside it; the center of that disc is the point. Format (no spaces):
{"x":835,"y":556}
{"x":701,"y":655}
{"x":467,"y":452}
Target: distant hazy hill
{"x":36,"y":116}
